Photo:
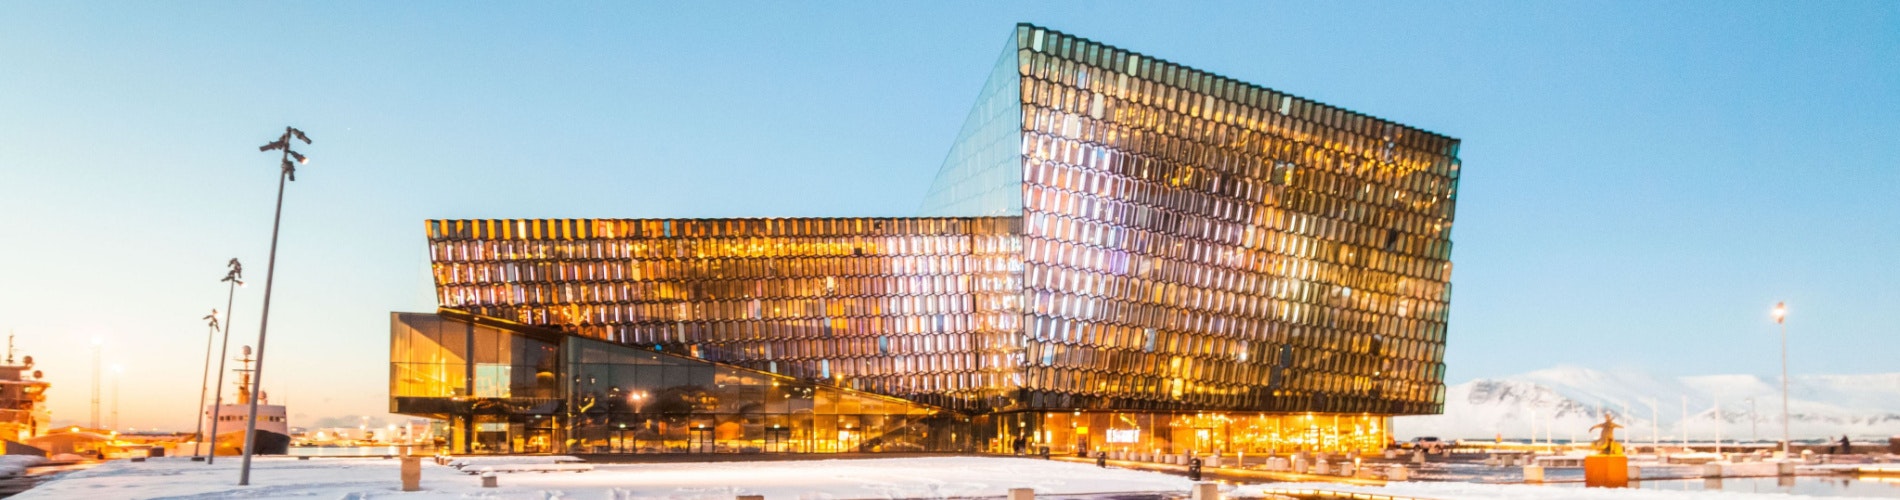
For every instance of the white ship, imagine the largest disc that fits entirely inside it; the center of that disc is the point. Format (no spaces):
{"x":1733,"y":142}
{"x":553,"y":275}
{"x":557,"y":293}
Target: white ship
{"x":23,"y":413}
{"x":273,"y":424}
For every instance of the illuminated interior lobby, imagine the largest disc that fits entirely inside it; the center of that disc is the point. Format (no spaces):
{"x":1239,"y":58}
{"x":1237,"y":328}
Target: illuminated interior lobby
{"x":1119,"y":253}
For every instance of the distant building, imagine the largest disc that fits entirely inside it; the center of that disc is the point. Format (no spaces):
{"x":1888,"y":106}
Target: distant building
{"x":1118,"y":253}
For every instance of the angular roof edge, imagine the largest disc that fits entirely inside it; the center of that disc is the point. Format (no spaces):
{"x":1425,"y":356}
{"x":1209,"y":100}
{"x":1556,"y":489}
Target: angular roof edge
{"x":1453,"y":142}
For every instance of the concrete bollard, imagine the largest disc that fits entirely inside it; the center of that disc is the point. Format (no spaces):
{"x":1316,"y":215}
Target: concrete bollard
{"x":1299,"y":465}
{"x":1712,"y":469}
{"x":1391,"y":454}
{"x":749,"y":497}
{"x":1205,"y":490}
{"x":1022,"y":494}
{"x":1322,"y":467}
{"x":411,"y":473}
{"x":1533,"y":473}
{"x":1397,"y":473}
{"x":1418,"y":456}
{"x":1492,"y":461}
{"x":1784,"y":468}
{"x":488,"y":479}
{"x":1213,"y":461}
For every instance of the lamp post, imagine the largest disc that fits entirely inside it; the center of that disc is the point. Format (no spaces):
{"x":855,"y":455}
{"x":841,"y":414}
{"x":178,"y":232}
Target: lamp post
{"x":1754,"y":424}
{"x":97,"y":346}
{"x":286,"y":174}
{"x":116,"y":371}
{"x":204,"y":381}
{"x":234,"y":275}
{"x":1781,"y":314}
{"x":1655,"y":429}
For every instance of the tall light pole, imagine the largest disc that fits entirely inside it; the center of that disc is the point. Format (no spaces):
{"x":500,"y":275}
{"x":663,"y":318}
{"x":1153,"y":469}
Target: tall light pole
{"x":204,"y":382}
{"x":97,"y":345}
{"x":1754,"y":424}
{"x":286,"y":174}
{"x":235,"y":277}
{"x":1655,"y":429}
{"x":116,"y":371}
{"x":1781,"y":314}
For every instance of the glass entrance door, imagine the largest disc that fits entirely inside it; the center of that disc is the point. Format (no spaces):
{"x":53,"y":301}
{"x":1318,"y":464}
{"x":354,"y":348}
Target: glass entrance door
{"x":701,"y":440}
{"x":778,"y":439}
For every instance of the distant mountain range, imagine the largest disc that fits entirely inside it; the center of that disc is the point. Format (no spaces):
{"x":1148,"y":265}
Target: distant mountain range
{"x":1564,"y":402}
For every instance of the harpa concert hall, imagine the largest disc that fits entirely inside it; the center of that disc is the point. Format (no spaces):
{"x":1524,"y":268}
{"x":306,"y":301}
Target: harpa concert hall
{"x":1119,"y":253}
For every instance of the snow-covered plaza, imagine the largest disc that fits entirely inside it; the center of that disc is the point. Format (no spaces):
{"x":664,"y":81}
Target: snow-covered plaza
{"x":932,"y":477}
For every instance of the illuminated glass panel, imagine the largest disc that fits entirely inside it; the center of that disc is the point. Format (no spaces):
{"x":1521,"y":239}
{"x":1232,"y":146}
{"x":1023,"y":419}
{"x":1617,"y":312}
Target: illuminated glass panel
{"x":1110,"y":231}
{"x":1196,"y":243}
{"x":924,"y":308}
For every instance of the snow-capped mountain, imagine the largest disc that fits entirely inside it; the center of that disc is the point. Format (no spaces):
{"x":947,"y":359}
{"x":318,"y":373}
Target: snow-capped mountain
{"x":1564,"y":402}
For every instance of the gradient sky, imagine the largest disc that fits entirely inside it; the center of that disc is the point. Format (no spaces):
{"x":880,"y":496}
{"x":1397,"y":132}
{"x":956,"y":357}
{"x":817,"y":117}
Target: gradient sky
{"x":1642,"y":180}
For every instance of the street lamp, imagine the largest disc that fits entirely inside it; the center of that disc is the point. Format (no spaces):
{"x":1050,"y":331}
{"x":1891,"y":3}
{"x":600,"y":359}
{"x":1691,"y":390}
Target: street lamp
{"x":117,"y":371}
{"x":97,"y":347}
{"x":234,"y":275}
{"x":203,"y":381}
{"x":1781,"y":315}
{"x":287,"y":173}
{"x":1754,"y":423}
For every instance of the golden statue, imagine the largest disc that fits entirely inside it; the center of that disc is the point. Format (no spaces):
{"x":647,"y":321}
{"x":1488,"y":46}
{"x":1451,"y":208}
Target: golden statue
{"x":1606,"y":442}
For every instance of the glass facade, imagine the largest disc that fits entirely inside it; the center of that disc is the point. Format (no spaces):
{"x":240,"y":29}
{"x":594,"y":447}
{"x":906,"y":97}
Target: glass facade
{"x":1113,"y":238}
{"x":983,"y":174}
{"x":1191,"y":242}
{"x":539,"y":391}
{"x":1082,"y":432}
{"x":517,"y":395}
{"x":926,"y":309}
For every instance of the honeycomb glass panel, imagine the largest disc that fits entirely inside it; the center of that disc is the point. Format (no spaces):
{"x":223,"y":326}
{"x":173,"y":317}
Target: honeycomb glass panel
{"x":1113,"y":242}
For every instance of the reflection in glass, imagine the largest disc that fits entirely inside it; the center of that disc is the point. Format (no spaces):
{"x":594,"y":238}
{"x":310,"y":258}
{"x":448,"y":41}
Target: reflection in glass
{"x":1113,"y":239}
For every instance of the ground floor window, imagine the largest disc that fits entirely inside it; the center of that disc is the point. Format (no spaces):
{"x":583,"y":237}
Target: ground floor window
{"x":1202,"y":433}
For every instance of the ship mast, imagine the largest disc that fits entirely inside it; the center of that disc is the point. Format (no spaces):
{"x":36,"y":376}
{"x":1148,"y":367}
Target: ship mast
{"x":244,"y":377}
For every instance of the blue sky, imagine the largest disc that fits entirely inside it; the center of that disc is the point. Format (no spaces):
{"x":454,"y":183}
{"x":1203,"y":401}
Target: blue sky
{"x":1642,"y":181}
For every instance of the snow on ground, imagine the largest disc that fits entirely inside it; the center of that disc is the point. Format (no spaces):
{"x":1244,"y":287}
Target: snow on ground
{"x":14,"y":465}
{"x":1474,"y":491}
{"x":935,"y":477}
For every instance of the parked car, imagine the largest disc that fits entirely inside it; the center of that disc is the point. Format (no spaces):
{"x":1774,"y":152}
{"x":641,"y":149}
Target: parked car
{"x":1431,"y":444}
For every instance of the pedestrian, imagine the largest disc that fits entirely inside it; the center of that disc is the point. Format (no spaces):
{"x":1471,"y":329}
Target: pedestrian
{"x":1847,"y":446}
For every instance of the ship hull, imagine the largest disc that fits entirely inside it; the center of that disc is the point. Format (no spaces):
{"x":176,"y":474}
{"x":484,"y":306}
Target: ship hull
{"x":268,"y":443}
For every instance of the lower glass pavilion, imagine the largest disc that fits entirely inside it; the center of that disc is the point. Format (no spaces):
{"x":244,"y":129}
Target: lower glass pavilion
{"x":1118,"y":254}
